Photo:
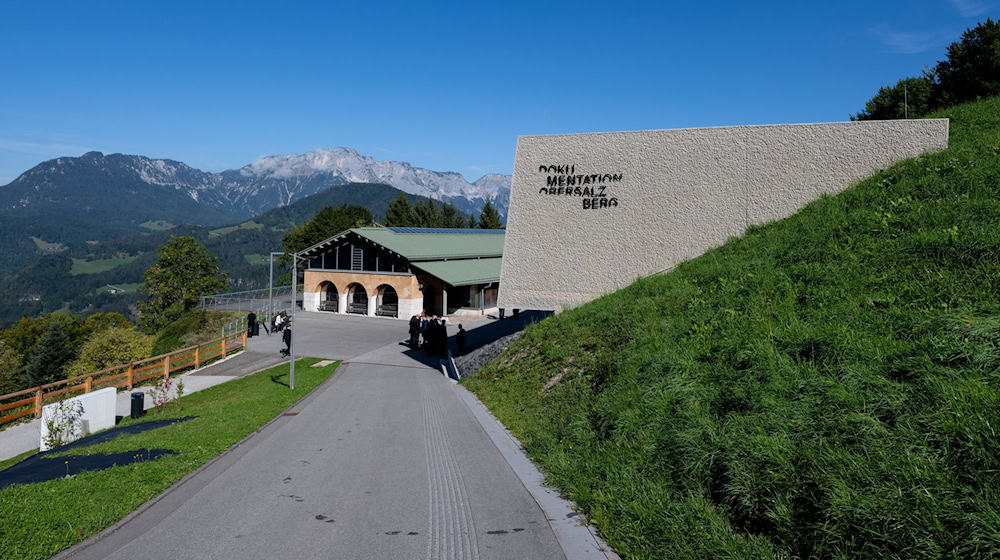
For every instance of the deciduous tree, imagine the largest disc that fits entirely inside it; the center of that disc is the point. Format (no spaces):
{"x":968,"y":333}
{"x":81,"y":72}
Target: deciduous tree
{"x":110,"y":347}
{"x":184,"y":272}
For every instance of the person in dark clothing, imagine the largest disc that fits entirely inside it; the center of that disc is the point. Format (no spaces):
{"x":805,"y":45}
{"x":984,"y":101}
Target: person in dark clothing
{"x":252,"y":324}
{"x":286,"y":337}
{"x":414,"y":331}
{"x":425,"y":331}
{"x":442,"y":339}
{"x":460,"y":340}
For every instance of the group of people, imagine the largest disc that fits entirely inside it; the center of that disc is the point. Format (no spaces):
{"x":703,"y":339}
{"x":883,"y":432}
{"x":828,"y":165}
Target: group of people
{"x":431,"y":334}
{"x":279,"y":323}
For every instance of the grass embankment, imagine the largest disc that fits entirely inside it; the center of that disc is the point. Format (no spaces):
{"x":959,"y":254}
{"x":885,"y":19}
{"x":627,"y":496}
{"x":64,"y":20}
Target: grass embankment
{"x":43,"y":518}
{"x":193,"y":327}
{"x":825,"y":386}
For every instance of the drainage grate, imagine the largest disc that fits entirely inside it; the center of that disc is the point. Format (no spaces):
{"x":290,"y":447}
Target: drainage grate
{"x":290,"y":414}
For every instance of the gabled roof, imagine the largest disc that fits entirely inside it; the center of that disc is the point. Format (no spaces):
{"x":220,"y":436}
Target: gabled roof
{"x":425,"y":244}
{"x":463,"y":272}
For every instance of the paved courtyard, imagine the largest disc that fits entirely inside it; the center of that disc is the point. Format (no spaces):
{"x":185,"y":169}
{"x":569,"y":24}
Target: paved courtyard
{"x":387,"y":459}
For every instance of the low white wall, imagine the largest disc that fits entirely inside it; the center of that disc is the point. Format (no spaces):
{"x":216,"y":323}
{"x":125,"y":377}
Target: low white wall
{"x":410,"y":307}
{"x":98,"y":414}
{"x":589,"y":213}
{"x":310,"y":301}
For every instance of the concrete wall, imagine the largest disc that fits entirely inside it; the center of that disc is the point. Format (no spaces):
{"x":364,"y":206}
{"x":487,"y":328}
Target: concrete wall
{"x":98,"y":414}
{"x":589,"y":213}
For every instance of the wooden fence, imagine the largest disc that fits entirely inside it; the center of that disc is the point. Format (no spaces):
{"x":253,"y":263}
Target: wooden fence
{"x":30,"y":401}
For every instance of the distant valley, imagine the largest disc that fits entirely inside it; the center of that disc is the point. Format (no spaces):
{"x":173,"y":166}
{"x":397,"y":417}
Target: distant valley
{"x":68,"y":201}
{"x":99,"y":276}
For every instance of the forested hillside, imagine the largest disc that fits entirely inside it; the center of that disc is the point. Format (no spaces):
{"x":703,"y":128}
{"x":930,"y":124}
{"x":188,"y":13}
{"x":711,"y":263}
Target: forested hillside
{"x":82,"y":279}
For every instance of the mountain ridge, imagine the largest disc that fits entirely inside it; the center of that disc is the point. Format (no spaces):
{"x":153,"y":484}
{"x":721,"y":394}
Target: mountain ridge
{"x":267,"y":182}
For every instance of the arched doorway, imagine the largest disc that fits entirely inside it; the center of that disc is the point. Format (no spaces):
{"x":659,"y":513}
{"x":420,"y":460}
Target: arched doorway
{"x":357,"y":299}
{"x":386,"y":301}
{"x":329,"y":298}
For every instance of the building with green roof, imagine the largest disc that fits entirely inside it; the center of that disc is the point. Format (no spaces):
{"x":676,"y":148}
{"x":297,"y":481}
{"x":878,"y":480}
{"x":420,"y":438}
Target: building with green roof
{"x":400,"y":272}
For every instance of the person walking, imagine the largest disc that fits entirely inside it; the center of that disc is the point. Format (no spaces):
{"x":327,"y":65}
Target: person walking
{"x":460,"y":340}
{"x":286,"y":337}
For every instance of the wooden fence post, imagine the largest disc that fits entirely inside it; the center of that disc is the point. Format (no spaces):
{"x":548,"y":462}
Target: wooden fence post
{"x":38,"y":403}
{"x":166,"y":366}
{"x":244,"y":340}
{"x":223,"y":346}
{"x":197,"y":356}
{"x":130,"y":368}
{"x":88,"y":384}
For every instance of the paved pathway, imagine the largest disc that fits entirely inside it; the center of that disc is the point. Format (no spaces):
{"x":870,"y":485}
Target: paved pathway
{"x":383,"y":461}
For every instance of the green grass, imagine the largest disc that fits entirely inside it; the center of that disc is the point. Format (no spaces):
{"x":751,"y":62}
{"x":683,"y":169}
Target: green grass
{"x":127,"y":288}
{"x":45,"y":246}
{"x":157,"y":225}
{"x":826,"y":386}
{"x":193,"y":327}
{"x":85,"y":266}
{"x":245,"y":225}
{"x":17,"y":458}
{"x":255,"y":259}
{"x":43,"y":518}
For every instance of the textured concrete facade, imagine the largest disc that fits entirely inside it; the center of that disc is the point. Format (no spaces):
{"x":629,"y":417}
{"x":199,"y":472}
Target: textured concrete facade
{"x":590,"y":213}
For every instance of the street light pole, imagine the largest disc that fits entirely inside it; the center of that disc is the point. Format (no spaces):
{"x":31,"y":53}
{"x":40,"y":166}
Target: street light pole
{"x":295,"y":326}
{"x":270,"y":284}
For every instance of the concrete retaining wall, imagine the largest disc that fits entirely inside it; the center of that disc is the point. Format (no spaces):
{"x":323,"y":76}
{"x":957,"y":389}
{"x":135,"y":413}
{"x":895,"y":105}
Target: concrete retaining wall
{"x":590,"y":213}
{"x":98,"y":414}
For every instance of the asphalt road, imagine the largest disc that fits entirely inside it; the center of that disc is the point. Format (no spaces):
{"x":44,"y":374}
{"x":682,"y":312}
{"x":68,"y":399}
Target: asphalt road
{"x":383,"y":461}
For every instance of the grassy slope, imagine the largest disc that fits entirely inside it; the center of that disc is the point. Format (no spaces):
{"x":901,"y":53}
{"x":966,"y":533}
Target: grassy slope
{"x":42,"y":518}
{"x":825,"y":386}
{"x":193,"y":327}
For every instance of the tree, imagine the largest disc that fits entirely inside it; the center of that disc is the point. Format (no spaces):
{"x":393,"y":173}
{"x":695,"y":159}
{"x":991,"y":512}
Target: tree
{"x":24,"y":336}
{"x":451,"y":217}
{"x":109,"y":347}
{"x":400,"y":213}
{"x":427,"y":214}
{"x":910,"y":96}
{"x":50,"y":357}
{"x":102,"y":321}
{"x":972,"y":70}
{"x":489,"y":218}
{"x":10,"y":363}
{"x":328,"y":222}
{"x":184,"y":272}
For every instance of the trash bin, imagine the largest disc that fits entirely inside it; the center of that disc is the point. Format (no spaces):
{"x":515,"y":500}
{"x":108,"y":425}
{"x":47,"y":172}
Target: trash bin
{"x":138,"y":404}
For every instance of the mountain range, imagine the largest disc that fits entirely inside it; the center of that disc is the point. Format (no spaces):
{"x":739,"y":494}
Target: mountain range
{"x":71,"y":200}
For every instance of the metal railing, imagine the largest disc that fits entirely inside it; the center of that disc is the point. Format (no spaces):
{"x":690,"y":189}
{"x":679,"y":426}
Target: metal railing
{"x":254,"y":300}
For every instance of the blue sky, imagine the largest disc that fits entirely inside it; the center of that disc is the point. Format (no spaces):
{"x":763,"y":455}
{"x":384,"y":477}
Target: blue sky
{"x":447,"y":86}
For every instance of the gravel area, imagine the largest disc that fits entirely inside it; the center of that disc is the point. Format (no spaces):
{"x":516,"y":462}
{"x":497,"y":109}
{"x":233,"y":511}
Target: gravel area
{"x":470,"y":363}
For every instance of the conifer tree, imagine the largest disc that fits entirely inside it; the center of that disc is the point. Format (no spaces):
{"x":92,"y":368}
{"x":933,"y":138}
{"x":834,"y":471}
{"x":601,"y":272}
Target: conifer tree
{"x":50,"y":357}
{"x":400,"y":213}
{"x":489,"y":218}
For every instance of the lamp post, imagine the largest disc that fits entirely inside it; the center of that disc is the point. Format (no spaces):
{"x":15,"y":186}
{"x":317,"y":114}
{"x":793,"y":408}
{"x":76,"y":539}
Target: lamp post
{"x":270,"y":284}
{"x":295,"y":326}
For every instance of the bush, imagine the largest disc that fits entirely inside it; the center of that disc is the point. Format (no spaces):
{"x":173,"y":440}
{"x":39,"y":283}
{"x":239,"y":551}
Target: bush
{"x":109,"y":347}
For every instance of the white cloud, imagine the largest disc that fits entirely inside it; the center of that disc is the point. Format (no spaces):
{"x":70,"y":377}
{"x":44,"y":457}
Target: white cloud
{"x":906,"y":42}
{"x":42,"y":148}
{"x":971,"y":8}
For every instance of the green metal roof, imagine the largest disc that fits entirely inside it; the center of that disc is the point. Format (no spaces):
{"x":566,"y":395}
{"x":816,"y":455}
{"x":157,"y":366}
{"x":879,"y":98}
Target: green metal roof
{"x":463,"y":272}
{"x":426,"y":245}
